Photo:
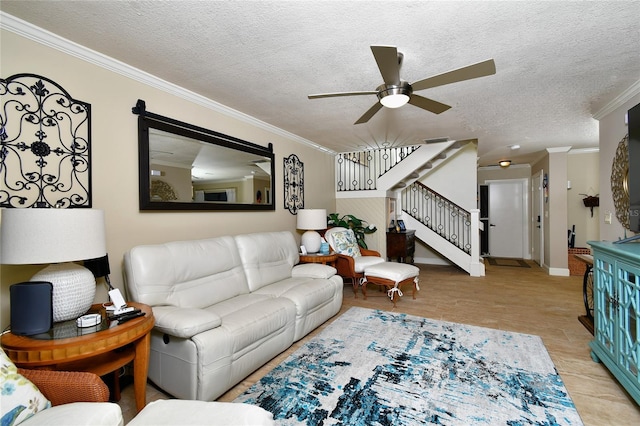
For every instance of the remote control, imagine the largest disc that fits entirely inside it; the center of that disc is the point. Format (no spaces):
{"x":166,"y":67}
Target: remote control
{"x":130,"y":316}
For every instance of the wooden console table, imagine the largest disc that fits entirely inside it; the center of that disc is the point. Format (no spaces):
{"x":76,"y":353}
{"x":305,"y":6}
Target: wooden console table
{"x":101,"y":351}
{"x":401,"y":245}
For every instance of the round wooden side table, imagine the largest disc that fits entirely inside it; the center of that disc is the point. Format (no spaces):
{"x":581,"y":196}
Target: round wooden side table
{"x":319,"y":258}
{"x":100,"y":350}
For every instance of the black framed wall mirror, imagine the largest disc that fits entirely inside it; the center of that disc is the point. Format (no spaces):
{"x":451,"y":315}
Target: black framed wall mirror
{"x":186,"y":167}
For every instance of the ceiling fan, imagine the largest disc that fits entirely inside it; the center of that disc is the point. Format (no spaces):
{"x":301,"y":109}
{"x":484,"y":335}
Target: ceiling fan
{"x":394,"y":92}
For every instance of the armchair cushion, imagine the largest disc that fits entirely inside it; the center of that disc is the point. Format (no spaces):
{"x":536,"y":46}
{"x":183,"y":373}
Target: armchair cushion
{"x":21,"y":399}
{"x":186,"y":412}
{"x":79,"y":413}
{"x":344,"y":242}
{"x":363,"y":262}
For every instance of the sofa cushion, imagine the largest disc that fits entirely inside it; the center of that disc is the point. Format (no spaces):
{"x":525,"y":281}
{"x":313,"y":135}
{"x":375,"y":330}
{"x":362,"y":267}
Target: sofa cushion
{"x":267,"y":257}
{"x":189,"y":274}
{"x":21,"y":399}
{"x":246,"y":327}
{"x":309,"y":295}
{"x":184,"y":322}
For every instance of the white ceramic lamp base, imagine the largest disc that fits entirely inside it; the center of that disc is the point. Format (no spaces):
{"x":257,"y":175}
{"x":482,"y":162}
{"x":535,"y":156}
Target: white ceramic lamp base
{"x":311,"y":241}
{"x":74,"y":289}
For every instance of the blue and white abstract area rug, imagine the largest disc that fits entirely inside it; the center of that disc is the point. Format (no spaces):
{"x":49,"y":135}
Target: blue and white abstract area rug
{"x":381,"y":368}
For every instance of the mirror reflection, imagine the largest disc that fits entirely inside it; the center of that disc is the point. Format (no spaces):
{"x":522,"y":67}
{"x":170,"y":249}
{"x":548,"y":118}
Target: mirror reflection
{"x":185,"y":169}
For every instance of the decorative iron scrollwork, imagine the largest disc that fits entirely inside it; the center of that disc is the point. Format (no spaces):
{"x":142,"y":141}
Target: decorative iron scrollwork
{"x":45,"y":145}
{"x":293,"y":184}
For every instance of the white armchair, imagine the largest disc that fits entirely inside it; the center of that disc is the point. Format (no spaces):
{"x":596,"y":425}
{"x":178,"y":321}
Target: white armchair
{"x":352,"y":259}
{"x":41,"y":397}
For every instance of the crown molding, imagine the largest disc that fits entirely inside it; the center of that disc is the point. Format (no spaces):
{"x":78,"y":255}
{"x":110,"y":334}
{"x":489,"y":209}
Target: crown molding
{"x":49,"y":39}
{"x":558,"y":149}
{"x":619,"y":100}
{"x":583,"y":150}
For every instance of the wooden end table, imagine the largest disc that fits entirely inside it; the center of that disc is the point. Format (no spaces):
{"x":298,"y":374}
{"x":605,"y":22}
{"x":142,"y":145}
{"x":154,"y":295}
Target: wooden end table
{"x":319,"y":258}
{"x":100,"y":350}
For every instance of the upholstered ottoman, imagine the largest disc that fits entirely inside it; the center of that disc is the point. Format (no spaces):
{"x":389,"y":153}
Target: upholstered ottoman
{"x":187,"y":412}
{"x":391,"y":276}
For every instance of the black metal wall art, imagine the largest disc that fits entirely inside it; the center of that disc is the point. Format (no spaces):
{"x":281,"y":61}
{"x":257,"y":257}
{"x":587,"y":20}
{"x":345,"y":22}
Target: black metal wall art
{"x":45,"y":145}
{"x":293,"y":177}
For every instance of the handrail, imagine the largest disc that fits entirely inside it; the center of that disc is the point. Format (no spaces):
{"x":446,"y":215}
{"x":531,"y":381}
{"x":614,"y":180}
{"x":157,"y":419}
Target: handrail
{"x":438,"y":213}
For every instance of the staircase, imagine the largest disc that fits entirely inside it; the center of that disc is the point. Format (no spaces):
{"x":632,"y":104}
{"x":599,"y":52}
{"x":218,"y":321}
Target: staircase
{"x":395,"y":172}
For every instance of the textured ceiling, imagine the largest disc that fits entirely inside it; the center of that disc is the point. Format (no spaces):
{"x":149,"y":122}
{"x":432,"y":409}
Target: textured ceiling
{"x":557,"y":63}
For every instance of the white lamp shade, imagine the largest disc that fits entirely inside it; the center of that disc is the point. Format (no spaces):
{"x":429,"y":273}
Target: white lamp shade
{"x":33,"y":236}
{"x":312,"y":219}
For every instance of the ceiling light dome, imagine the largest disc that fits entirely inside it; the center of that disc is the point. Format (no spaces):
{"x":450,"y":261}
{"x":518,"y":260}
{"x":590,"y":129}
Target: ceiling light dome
{"x":505,"y":163}
{"x":392,"y":96}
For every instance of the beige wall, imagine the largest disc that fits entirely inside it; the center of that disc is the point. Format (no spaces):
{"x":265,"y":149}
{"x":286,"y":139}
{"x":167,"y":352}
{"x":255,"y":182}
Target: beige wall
{"x":612,"y":130}
{"x":178,"y":178}
{"x":374,"y":211}
{"x":115,"y":156}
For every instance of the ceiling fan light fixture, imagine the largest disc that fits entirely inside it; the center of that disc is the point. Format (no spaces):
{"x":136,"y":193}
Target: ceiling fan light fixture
{"x":392,"y":96}
{"x":505,"y":163}
{"x":394,"y":101}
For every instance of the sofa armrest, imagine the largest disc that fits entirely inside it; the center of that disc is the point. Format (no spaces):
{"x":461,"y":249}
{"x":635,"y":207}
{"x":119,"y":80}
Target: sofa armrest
{"x":184,"y":322}
{"x":313,"y":270}
{"x":64,"y":387}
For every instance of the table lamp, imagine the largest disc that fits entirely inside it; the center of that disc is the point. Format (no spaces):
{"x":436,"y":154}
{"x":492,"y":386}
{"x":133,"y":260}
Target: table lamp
{"x":56,"y":237}
{"x":312,"y":220}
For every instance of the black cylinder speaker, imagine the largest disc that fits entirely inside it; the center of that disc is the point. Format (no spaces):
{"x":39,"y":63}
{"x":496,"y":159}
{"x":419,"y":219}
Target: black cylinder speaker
{"x":31,"y":309}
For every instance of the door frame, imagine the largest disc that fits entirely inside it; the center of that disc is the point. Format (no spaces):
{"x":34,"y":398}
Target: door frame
{"x":537,"y":192}
{"x":526,"y":249}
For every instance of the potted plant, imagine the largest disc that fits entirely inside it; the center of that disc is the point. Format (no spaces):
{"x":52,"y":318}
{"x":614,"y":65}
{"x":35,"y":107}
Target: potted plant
{"x":360,"y":227}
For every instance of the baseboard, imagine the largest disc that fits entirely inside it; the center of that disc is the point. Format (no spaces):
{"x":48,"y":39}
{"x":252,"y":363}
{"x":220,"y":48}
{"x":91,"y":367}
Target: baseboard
{"x":431,"y":261}
{"x":560,"y":272}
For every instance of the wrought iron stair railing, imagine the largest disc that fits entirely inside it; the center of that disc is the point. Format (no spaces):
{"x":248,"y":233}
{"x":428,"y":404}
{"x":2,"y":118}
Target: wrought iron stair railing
{"x":359,"y":171}
{"x":441,"y":215}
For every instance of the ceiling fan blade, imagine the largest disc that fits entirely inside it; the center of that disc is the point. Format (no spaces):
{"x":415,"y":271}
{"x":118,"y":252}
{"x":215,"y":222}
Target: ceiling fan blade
{"x":388,"y":63}
{"x":332,"y":95}
{"x":370,"y":113}
{"x":428,"y":104}
{"x":481,"y":69}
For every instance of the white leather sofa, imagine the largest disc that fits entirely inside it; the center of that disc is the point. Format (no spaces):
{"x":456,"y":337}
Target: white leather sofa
{"x":225,"y":306}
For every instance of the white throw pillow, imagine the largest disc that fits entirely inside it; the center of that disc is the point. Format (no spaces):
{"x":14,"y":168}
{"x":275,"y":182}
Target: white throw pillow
{"x":21,"y":399}
{"x":344,"y":242}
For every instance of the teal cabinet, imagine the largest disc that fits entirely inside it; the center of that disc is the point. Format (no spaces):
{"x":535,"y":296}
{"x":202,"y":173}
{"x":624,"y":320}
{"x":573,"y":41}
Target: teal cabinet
{"x":616,"y":298}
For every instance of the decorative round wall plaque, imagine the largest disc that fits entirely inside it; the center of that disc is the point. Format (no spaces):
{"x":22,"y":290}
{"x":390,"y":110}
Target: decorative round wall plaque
{"x":619,"y":181}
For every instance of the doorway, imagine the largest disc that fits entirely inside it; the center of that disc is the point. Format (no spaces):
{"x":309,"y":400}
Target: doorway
{"x":508,"y":226}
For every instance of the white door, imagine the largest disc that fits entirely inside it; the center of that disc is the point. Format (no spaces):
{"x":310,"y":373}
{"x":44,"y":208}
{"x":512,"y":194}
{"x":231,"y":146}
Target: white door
{"x":507,"y":201}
